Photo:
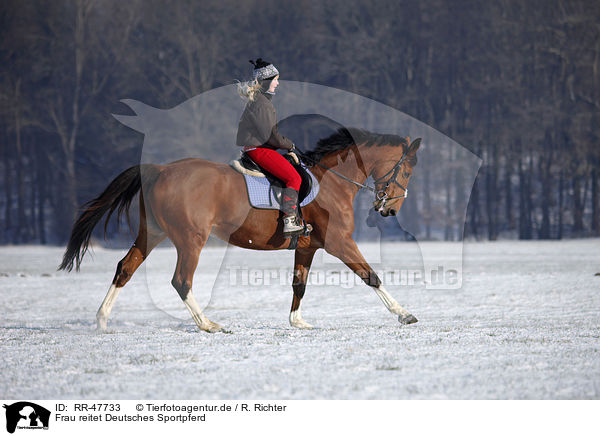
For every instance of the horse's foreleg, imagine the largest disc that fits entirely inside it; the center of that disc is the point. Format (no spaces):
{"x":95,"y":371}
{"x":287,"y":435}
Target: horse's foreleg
{"x":302,"y":262}
{"x":347,"y":251}
{"x":142,"y":246}
{"x":187,"y":261}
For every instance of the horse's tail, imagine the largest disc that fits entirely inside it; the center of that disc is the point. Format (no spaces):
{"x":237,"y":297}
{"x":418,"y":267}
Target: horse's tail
{"x":119,"y":194}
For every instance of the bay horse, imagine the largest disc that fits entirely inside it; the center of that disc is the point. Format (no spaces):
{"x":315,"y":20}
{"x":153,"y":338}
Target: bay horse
{"x":189,"y":199}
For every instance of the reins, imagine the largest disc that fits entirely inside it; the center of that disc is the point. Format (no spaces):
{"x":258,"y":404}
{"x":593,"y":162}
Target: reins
{"x":380,"y":194}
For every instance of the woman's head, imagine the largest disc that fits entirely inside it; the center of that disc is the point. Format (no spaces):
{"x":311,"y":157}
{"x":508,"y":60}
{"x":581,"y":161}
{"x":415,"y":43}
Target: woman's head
{"x":265,"y":78}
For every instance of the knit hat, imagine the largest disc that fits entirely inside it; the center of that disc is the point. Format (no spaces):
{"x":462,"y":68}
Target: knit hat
{"x":263,"y":70}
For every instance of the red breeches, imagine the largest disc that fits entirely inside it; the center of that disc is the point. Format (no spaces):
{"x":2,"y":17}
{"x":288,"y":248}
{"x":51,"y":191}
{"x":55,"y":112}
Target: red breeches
{"x":273,"y":162}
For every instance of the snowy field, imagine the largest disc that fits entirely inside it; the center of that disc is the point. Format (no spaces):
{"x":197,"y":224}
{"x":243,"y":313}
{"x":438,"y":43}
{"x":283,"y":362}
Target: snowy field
{"x":525,"y":325}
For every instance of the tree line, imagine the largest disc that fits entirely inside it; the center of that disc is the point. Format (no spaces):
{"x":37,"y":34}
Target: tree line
{"x":515,"y":82}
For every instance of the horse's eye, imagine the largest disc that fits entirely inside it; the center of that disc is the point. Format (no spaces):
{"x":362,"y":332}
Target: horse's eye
{"x":406,"y":174}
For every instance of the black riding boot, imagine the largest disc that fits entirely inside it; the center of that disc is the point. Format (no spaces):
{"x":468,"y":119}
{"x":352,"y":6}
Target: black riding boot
{"x":289,"y":207}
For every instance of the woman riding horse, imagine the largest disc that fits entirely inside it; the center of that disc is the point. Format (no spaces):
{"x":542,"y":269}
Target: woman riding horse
{"x":258,"y":135}
{"x":171,"y":206}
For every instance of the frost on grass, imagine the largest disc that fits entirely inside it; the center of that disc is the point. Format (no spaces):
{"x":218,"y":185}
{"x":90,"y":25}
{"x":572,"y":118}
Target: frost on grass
{"x":525,"y":325}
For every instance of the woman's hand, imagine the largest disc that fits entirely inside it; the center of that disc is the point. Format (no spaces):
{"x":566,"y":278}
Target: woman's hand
{"x":294,"y":156}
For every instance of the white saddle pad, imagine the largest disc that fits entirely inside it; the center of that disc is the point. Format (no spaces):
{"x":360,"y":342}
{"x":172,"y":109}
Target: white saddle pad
{"x":262,"y":195}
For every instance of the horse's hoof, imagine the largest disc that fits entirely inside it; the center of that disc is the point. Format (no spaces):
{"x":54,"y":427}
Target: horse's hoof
{"x":101,"y":326}
{"x":302,"y":325}
{"x":213,"y":327}
{"x":407,"y":319}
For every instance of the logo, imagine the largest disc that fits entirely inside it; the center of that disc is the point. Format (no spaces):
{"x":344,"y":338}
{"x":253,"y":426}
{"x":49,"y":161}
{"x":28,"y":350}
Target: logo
{"x":25,"y":415}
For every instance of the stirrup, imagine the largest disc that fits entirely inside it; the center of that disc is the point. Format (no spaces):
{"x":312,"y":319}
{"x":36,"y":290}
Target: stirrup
{"x":292,"y":228}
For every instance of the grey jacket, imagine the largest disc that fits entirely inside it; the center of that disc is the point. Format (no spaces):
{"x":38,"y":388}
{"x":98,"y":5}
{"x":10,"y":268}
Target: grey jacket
{"x":258,"y":126}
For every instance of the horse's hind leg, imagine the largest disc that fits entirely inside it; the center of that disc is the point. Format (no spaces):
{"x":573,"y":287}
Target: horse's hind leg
{"x":188,"y":252}
{"x":142,"y":246}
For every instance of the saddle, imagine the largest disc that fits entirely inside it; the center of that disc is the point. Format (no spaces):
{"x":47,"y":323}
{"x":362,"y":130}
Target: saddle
{"x":249,"y":168}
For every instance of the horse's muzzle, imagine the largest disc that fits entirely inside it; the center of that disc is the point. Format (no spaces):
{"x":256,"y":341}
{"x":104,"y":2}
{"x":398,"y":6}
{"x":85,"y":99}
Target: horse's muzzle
{"x":386,"y":213}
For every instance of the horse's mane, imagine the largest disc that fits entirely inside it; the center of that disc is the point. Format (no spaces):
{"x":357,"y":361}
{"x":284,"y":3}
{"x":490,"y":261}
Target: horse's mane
{"x":348,"y":136}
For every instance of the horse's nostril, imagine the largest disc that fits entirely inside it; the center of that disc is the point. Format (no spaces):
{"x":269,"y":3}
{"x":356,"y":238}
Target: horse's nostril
{"x":392,"y":212}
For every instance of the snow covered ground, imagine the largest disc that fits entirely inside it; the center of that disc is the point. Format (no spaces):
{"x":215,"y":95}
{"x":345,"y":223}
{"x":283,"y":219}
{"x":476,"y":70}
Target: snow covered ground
{"x":525,"y":325}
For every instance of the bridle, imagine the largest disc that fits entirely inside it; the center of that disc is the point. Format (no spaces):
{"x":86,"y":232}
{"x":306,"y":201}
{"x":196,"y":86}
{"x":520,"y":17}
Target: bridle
{"x":380,"y":194}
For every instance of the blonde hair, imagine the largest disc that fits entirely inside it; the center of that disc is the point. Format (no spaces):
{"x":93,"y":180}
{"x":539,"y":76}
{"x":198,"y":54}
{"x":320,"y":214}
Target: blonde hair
{"x":248,"y":90}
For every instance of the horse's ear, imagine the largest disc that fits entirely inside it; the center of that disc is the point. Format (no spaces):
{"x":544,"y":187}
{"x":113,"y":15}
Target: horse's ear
{"x":408,"y":139}
{"x":414,"y":146}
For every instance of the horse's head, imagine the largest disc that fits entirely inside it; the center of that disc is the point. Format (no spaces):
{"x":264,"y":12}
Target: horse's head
{"x":391,"y":175}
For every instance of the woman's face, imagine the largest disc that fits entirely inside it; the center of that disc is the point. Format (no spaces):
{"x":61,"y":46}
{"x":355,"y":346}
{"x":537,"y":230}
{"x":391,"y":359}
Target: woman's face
{"x":274,"y":84}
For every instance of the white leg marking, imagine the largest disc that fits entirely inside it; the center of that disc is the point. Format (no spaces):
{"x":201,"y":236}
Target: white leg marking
{"x":106,"y":306}
{"x":201,"y":321}
{"x":392,"y":305}
{"x":297,"y":321}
